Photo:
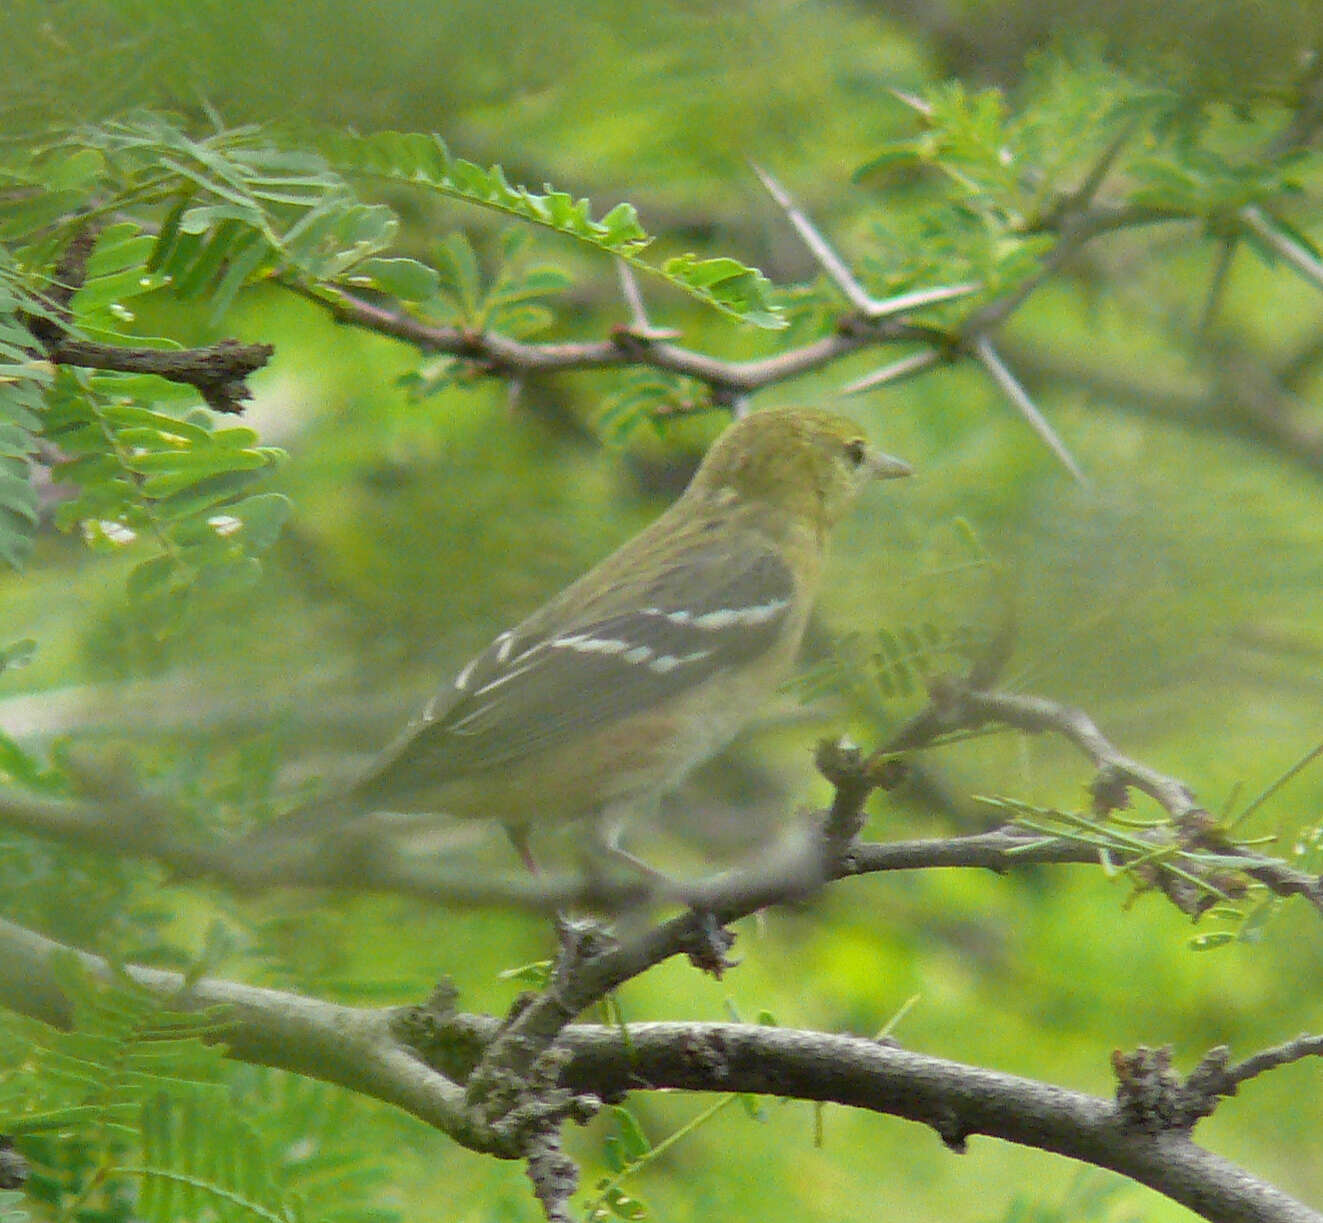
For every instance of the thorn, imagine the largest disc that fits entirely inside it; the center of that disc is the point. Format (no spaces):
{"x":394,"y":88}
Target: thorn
{"x":913,"y":101}
{"x":841,"y":276}
{"x":1019,"y":397}
{"x":818,"y":246}
{"x":920,"y":298}
{"x":639,"y":326}
{"x":629,"y":288}
{"x":1303,"y":260}
{"x":904,"y":368}
{"x":1093,"y":182}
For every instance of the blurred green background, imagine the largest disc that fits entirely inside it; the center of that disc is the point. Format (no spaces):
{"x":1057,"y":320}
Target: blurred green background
{"x":1177,"y":599}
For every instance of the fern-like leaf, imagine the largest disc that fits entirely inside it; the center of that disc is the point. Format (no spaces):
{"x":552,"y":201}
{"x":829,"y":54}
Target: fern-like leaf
{"x":424,"y":161}
{"x":23,"y":382}
{"x":122,"y":1043}
{"x":184,"y":484}
{"x":200,"y":1160}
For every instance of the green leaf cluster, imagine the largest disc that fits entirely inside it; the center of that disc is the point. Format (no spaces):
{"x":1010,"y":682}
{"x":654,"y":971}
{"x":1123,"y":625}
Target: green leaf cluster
{"x":647,"y":395}
{"x":178,"y":480}
{"x":989,"y":173}
{"x":424,"y":161}
{"x":202,"y":216}
{"x":130,"y":1114}
{"x":24,"y":381}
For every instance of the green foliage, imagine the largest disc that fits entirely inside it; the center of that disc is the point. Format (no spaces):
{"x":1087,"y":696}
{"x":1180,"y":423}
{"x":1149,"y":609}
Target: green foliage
{"x":419,"y":160}
{"x":92,"y":1079}
{"x":511,"y":300}
{"x":455,"y":292}
{"x":235,"y":206}
{"x":211,"y":215}
{"x":24,"y":381}
{"x":75,"y":1100}
{"x":129,"y":1114}
{"x":178,"y":480}
{"x":887,"y":667}
{"x":995,"y":176}
{"x":321,"y":1144}
{"x":647,"y":396}
{"x":201,"y":1160}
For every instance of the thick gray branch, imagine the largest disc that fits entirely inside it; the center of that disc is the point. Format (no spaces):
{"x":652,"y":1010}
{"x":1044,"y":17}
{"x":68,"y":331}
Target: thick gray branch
{"x":956,"y":1100}
{"x":349,"y":1046}
{"x":359,"y":1049}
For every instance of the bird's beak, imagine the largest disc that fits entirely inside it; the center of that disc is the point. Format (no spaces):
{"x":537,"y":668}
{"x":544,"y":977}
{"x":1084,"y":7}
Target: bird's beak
{"x":885,"y":467}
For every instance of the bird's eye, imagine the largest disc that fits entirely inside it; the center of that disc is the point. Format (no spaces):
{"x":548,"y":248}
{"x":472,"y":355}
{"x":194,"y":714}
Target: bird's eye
{"x":855,"y":451}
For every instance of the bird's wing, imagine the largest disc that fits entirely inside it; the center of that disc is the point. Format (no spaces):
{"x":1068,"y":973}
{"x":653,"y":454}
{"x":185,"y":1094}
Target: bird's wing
{"x":552,"y":679}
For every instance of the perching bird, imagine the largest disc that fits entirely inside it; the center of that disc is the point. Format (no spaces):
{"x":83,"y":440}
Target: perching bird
{"x":607,"y":695}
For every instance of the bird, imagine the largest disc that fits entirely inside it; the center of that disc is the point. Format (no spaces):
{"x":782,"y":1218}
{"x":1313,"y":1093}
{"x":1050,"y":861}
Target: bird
{"x":605,"y":697}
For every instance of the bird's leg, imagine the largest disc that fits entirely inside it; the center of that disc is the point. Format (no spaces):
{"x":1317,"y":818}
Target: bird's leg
{"x":518,"y":835}
{"x":609,"y":830}
{"x":570,"y":930}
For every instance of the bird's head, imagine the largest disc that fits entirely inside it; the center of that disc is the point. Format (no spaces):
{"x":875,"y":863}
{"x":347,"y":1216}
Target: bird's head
{"x":802,"y":460}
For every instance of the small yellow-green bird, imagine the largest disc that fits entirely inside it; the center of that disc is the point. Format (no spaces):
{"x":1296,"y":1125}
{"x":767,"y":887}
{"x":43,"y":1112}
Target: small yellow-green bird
{"x":606,"y":696}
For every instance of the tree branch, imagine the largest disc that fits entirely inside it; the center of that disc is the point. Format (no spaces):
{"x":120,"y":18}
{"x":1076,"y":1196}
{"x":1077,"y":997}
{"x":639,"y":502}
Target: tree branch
{"x":352,"y":1047}
{"x":871,"y":324}
{"x":364,"y":857}
{"x":954,"y":1099}
{"x":500,"y":355}
{"x":1271,"y":1059}
{"x":219,"y":371}
{"x":376,"y":1053}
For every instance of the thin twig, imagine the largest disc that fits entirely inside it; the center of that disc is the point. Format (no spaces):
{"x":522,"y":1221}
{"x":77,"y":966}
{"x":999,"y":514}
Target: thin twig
{"x":503,"y":356}
{"x":1270,"y":1059}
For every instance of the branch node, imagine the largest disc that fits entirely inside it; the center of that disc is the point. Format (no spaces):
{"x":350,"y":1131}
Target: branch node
{"x":1109,"y":790}
{"x":707,"y":943}
{"x":1147,"y":1089}
{"x":707,"y":1054}
{"x":581,"y":940}
{"x":442,"y":1002}
{"x":1201,"y":829}
{"x":953,"y":1132}
{"x":1152,"y":1097}
{"x":843,"y":764}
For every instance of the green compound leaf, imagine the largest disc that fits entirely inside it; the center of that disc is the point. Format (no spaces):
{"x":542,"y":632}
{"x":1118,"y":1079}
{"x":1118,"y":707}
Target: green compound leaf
{"x":424,"y":161}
